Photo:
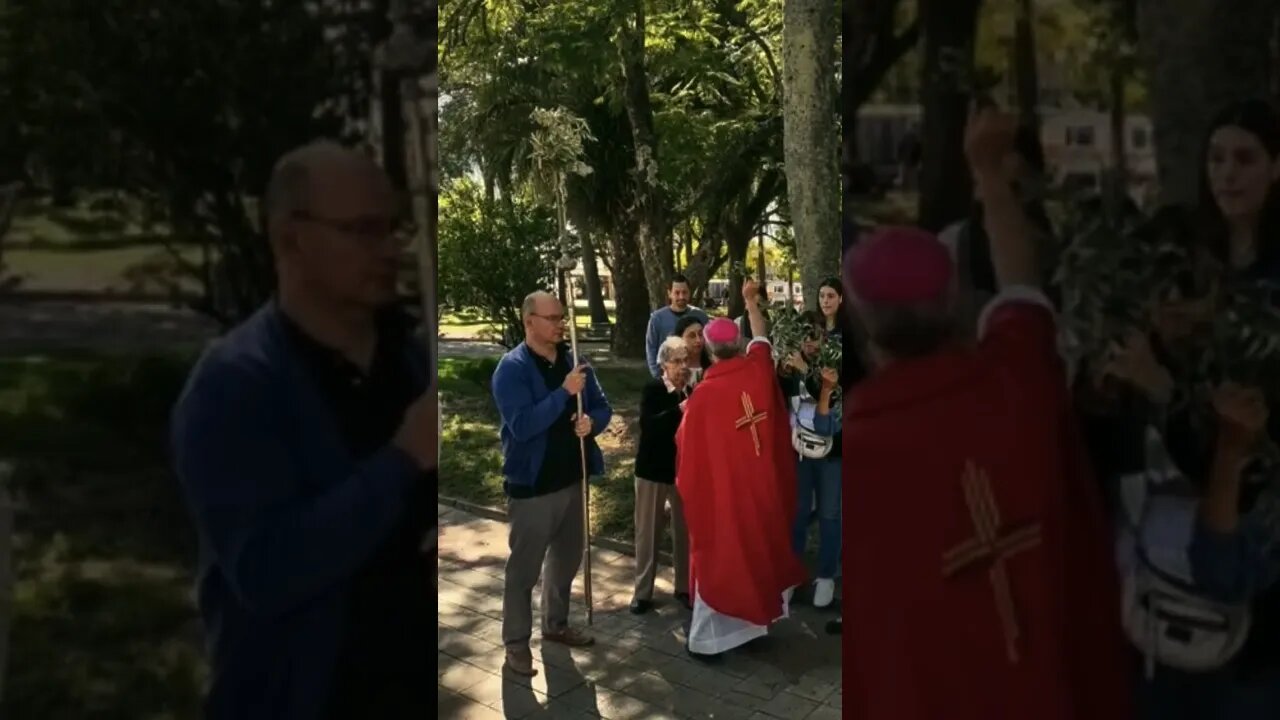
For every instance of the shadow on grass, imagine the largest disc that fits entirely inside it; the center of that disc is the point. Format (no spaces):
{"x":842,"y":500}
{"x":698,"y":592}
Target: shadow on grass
{"x":104,"y":625}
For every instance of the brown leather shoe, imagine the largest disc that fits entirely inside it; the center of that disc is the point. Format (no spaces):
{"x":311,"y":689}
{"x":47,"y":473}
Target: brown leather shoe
{"x":569,"y":636}
{"x":520,"y":662}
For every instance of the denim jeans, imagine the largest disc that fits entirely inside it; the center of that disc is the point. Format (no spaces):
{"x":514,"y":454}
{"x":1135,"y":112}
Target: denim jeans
{"x":1177,"y":695}
{"x":820,"y":479}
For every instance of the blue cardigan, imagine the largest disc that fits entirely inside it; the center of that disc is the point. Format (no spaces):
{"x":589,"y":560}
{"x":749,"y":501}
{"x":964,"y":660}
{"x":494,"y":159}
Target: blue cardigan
{"x":528,"y":408}
{"x":285,"y":518}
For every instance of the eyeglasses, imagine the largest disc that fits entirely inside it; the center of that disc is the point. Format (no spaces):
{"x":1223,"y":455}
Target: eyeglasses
{"x":368,"y":229}
{"x":552,"y":318}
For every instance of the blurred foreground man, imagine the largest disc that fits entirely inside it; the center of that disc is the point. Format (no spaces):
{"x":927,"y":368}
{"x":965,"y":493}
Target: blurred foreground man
{"x":305,"y":442}
{"x":977,"y":552}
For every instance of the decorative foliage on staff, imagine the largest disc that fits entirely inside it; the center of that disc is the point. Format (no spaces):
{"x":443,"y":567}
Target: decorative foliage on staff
{"x":557,"y":150}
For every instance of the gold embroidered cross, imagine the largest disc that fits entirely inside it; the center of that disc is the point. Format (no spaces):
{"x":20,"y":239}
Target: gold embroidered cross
{"x":750,"y":419}
{"x":988,"y":546}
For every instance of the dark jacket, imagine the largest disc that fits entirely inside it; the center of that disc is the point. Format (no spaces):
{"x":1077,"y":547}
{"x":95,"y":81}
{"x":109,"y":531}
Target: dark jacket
{"x":285,"y":518}
{"x":528,"y":408}
{"x":660,"y":417}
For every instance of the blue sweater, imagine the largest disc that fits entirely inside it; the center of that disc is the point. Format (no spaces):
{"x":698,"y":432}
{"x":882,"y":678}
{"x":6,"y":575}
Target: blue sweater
{"x":285,"y":517}
{"x":661,"y":324}
{"x":528,"y":409}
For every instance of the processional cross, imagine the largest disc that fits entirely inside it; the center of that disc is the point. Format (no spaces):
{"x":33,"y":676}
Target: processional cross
{"x":750,"y":419}
{"x":991,"y":548}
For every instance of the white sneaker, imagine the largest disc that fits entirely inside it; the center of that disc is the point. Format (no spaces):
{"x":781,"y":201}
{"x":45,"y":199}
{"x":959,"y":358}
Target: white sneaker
{"x":824,"y":592}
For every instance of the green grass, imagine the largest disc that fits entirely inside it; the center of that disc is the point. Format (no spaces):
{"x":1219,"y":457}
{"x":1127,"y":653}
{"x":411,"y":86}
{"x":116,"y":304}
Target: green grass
{"x":103,"y":624}
{"x":471,"y":457}
{"x":471,"y":325}
{"x":96,"y":246}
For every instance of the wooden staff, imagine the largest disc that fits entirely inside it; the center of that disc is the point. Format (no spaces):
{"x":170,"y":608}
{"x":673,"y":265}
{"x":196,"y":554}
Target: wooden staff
{"x":582,"y":449}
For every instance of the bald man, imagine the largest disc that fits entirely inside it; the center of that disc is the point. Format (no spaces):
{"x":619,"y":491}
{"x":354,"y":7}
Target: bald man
{"x":535,"y":386}
{"x":305,"y":443}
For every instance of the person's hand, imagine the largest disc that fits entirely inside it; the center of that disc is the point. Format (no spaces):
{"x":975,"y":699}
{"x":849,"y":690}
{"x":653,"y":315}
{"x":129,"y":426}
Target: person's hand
{"x":796,"y":362}
{"x":830,"y":378}
{"x":575,"y":380}
{"x":1242,"y":415}
{"x":989,"y":139}
{"x":581,"y":425}
{"x":679,"y":379}
{"x":683,"y":404}
{"x":418,"y":435}
{"x":1132,"y":360}
{"x":751,"y":293}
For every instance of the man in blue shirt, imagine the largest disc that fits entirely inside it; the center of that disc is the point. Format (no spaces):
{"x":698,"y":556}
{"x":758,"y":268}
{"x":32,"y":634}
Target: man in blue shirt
{"x":663,"y":320}
{"x":536,"y":387}
{"x":305,"y":443}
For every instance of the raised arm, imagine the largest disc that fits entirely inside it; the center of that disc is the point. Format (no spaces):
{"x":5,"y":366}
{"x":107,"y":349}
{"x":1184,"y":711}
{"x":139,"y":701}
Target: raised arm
{"x":988,"y":143}
{"x":755,"y":315}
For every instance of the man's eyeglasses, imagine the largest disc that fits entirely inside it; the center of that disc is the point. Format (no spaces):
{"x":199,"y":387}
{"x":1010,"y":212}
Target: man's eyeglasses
{"x":551,"y":318}
{"x":369,"y":229}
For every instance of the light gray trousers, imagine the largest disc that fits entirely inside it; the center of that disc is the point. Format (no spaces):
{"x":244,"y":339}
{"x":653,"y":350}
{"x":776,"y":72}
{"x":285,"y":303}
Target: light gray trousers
{"x":546,"y":540}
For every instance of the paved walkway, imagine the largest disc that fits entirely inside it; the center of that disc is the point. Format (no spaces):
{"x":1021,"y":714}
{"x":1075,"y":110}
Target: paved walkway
{"x":638,"y":669}
{"x":35,"y":325}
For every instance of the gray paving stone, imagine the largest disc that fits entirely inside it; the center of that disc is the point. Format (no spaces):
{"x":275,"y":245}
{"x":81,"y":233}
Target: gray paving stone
{"x":637,"y":669}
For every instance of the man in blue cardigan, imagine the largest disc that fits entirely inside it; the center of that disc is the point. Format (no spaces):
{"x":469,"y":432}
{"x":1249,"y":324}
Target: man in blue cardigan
{"x":305,"y":443}
{"x":535,"y":387}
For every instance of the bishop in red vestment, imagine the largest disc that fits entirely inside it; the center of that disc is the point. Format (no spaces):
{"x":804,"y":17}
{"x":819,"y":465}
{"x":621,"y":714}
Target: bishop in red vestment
{"x":977,"y":553}
{"x":736,"y":475}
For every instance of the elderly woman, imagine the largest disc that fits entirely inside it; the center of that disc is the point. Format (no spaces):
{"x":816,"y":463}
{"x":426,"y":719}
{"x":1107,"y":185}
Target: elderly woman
{"x":661,"y":409}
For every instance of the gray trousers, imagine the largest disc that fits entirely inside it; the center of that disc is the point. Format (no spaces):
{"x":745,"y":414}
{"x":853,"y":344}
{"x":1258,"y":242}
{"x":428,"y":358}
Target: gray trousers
{"x":650,"y":522}
{"x":546,"y":539}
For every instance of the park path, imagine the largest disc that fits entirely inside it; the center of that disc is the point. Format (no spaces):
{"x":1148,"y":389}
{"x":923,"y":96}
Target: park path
{"x":39,"y":326}
{"x":637,"y":670}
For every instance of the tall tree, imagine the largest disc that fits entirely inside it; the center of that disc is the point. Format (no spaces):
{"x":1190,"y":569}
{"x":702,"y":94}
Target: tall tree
{"x":649,"y":210}
{"x":809,"y":137}
{"x":1026,"y":66}
{"x":874,"y":41}
{"x":950,"y":27}
{"x":1199,"y":55}
{"x":712,"y":84}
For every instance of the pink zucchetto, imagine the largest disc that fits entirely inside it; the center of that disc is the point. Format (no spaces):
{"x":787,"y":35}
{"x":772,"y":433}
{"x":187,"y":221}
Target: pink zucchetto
{"x":721,"y":331}
{"x":899,"y":266}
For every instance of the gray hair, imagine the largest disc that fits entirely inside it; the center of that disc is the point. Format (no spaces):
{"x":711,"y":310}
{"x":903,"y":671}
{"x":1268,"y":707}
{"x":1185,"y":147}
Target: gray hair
{"x":909,"y":331}
{"x":670,"y":349}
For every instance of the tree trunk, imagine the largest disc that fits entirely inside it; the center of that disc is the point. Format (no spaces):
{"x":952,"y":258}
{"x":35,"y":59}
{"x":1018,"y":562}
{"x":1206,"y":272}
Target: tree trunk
{"x":391,"y":100}
{"x":738,"y":242}
{"x":946,"y":190}
{"x":591,"y":277}
{"x":1028,"y":73}
{"x":1199,"y":56}
{"x":809,"y":139}
{"x":631,"y":298}
{"x":1119,"y":180}
{"x":652,"y":233}
{"x":7,"y":573}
